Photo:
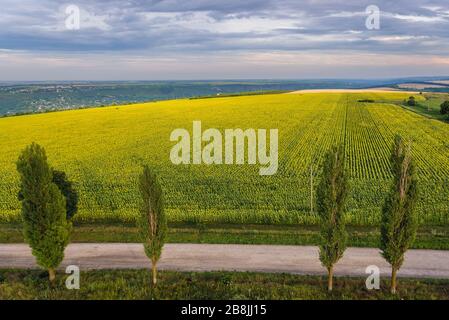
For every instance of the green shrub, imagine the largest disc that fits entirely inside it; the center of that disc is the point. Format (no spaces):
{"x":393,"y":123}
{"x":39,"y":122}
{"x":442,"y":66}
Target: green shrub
{"x":411,"y":101}
{"x":444,"y":107}
{"x":70,"y":194}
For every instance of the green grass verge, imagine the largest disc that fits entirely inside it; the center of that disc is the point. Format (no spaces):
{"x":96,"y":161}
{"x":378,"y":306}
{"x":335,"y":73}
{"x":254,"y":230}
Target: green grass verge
{"x":135,"y":284}
{"x":427,"y":238}
{"x":430,"y":108}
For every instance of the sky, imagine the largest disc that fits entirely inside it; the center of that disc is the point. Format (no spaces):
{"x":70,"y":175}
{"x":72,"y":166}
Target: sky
{"x":227,"y":39}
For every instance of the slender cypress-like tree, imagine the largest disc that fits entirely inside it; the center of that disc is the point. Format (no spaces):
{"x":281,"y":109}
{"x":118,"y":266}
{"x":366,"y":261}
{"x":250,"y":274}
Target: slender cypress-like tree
{"x":152,"y":221}
{"x":45,"y":226}
{"x":331,"y":197}
{"x":399,"y":220}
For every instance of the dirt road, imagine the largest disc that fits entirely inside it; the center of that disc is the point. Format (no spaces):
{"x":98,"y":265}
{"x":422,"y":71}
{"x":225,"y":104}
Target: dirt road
{"x":211,"y":257}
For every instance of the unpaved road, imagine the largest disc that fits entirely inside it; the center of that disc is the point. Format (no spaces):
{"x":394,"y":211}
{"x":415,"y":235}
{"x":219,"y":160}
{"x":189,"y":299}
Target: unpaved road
{"x":218,"y":257}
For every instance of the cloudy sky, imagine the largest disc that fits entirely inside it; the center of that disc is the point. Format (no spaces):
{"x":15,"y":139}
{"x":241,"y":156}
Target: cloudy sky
{"x":226,"y":39}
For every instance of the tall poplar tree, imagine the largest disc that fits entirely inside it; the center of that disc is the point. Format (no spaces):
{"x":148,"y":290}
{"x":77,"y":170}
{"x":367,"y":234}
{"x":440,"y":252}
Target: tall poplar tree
{"x":331,"y":198}
{"x":45,"y":225}
{"x":152,"y":221}
{"x":399,"y":219}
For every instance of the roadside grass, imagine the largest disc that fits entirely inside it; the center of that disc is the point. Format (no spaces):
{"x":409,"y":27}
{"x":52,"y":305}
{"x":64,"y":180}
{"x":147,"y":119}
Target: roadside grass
{"x":428,"y":237}
{"x":135,"y":284}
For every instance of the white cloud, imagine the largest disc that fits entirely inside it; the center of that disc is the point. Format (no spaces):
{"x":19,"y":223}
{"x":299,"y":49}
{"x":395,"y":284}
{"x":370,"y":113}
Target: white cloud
{"x":347,"y":14}
{"x":416,"y":18}
{"x":397,"y":38}
{"x":232,"y":23}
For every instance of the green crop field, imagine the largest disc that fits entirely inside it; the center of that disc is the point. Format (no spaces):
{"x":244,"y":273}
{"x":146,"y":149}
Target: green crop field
{"x":103,"y":149}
